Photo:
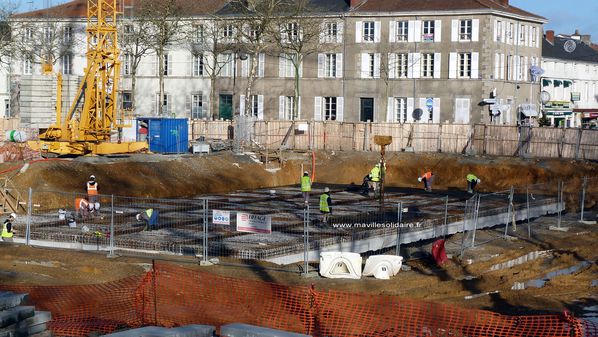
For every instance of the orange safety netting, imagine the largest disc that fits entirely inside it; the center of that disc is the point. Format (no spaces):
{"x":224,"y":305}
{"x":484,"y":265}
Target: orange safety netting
{"x":172,"y":296}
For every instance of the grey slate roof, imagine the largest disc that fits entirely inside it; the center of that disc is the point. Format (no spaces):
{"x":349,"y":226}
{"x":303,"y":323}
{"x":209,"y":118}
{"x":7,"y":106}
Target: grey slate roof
{"x":582,"y":52}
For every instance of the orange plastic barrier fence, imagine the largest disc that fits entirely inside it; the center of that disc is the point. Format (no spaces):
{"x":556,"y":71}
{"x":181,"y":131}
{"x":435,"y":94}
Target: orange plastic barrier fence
{"x":172,"y":296}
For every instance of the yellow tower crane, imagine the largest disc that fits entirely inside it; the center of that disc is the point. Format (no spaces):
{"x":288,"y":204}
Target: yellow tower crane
{"x":93,"y":115}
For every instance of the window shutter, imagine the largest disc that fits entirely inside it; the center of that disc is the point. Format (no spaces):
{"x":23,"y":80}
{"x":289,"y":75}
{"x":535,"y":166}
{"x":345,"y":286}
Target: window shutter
{"x":437,"y":30}
{"x":189,"y":64}
{"x":205,"y":108}
{"x":318,"y":108}
{"x":529,"y":36}
{"x":504,"y":37}
{"x":495,"y":34}
{"x":410,"y":65}
{"x":392,"y":31}
{"x":261,"y":64}
{"x":417,"y":31}
{"x":390,"y":110}
{"x":377,"y":29}
{"x":538,"y":37}
{"x":282,"y":65}
{"x":260,"y":107}
{"x":475,"y":30}
{"x":437,"y":64}
{"x":410,"y":104}
{"x":392,"y":65}
{"x":281,"y":115}
{"x":339,"y":65}
{"x":525,"y":68}
{"x":417,"y":59}
{"x":410,"y":31}
{"x":322,"y":37}
{"x":502,"y":66}
{"x":358,"y":31}
{"x":454,"y":30}
{"x":496,"y":66}
{"x":321,"y":60}
{"x":377,"y":65}
{"x":339,"y":109}
{"x":453,"y":65}
{"x":475,"y":68}
{"x":364,"y":65}
{"x":245,"y":67}
{"x":516,"y":34}
{"x":339,"y":31}
{"x":242,"y":105}
{"x":436,"y":112}
{"x":188,"y":105}
{"x":517,"y":74}
{"x":425,"y":114}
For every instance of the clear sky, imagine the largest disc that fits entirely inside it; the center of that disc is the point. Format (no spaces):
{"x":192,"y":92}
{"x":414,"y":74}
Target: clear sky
{"x":563,"y":16}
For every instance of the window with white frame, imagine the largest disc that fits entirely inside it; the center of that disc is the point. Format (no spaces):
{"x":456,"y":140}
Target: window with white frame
{"x":165,"y":102}
{"x":331,"y":32}
{"x":197,"y":106}
{"x":287,"y":65}
{"x":126,"y":64}
{"x":522,"y":34}
{"x":27,"y":66}
{"x":198,"y":34}
{"x":48,"y":33}
{"x":228,"y":33}
{"x":499,"y":32}
{"x":330,"y":65}
{"x":522,"y":68}
{"x":534,"y":36}
{"x":28,"y":36}
{"x":402,"y":65}
{"x":67,"y":34}
{"x":198,"y":66}
{"x":289,"y":108}
{"x":226,"y":64}
{"x":427,"y":65}
{"x":464,"y":62}
{"x":127,"y":100}
{"x":254,"y":106}
{"x":291,"y":32}
{"x":400,"y":109}
{"x":67,"y":64}
{"x":128,"y":29}
{"x":330,"y":108}
{"x":402,"y":31}
{"x":371,"y":65}
{"x":369,"y":31}
{"x":7,"y":108}
{"x":166,"y":65}
{"x":428,"y":31}
{"x":465,"y":30}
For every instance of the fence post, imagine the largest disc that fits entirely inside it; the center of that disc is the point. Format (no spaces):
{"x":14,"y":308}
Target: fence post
{"x":446,"y":216}
{"x":510,"y":209}
{"x":583,"y":196}
{"x":28,"y":228}
{"x":578,"y":143}
{"x":529,"y":232}
{"x":205,"y":231}
{"x":399,"y":218}
{"x":111,"y":251}
{"x":559,"y":203}
{"x":306,"y":240}
{"x":464,"y":228}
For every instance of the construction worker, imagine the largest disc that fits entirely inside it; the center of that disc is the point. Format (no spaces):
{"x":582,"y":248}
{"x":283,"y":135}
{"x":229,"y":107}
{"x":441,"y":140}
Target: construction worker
{"x":374,"y":182}
{"x":150,"y":217}
{"x":7,"y":230}
{"x":92,"y":189}
{"x":305,"y":186}
{"x":325,"y":205}
{"x":427,"y":179}
{"x":472,"y":181}
{"x":83,"y":208}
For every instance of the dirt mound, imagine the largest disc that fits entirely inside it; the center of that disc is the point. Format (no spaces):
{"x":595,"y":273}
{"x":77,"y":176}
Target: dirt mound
{"x":161,"y":176}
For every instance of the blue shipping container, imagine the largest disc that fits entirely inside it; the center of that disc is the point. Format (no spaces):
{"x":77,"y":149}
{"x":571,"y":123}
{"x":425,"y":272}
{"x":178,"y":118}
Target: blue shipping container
{"x":164,"y":135}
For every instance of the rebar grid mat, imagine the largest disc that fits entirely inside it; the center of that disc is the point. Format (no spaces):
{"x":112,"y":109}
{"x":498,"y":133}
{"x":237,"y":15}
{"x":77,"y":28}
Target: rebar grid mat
{"x":170,"y":295}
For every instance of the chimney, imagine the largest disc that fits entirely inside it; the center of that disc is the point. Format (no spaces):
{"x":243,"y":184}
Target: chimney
{"x":504,"y":2}
{"x":587,"y":39}
{"x":550,"y":36}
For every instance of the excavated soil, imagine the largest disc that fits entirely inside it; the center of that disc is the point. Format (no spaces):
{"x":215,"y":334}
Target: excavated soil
{"x":187,"y":176}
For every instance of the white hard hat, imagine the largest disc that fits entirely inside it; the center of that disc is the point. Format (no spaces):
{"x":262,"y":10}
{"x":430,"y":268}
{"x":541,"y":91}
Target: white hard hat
{"x":305,"y":172}
{"x":96,"y":206}
{"x":138,"y":217}
{"x":92,"y":177}
{"x":13,"y":215}
{"x":479,"y":181}
{"x":419,"y":179}
{"x":326,"y":190}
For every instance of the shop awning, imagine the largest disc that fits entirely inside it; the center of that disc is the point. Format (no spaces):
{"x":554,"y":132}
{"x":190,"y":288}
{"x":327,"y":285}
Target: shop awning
{"x":546,"y":82}
{"x":558,"y":113}
{"x":529,"y":110}
{"x":558,"y":83}
{"x":567,"y":83}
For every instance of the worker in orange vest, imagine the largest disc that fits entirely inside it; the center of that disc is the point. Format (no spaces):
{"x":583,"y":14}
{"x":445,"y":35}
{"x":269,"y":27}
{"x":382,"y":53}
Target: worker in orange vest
{"x":83,"y":208}
{"x":427,"y":179}
{"x":92,"y":189}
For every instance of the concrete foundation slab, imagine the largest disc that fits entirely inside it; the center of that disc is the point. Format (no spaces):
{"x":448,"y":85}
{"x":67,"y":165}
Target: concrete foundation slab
{"x":246,"y":330}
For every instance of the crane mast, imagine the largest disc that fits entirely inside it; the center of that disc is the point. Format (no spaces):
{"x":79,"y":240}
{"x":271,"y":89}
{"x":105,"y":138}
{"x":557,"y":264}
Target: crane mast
{"x":94,"y":114}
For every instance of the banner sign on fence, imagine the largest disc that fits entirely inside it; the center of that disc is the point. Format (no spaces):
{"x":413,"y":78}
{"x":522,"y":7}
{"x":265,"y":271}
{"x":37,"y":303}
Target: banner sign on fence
{"x":254,"y":223}
{"x":220,"y":217}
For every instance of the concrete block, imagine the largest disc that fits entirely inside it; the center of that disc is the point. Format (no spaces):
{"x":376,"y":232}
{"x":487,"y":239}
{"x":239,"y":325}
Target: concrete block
{"x":146,"y":331}
{"x":559,"y":229}
{"x":10,"y":300}
{"x":246,"y":330}
{"x":193,"y":330}
{"x":39,"y":317}
{"x":14,"y":315}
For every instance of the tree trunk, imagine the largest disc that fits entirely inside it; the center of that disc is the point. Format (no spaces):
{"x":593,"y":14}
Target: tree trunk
{"x":297,"y":88}
{"x":213,"y":111}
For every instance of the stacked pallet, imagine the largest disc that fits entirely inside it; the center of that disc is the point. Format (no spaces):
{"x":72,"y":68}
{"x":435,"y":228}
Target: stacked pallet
{"x":17,"y":320}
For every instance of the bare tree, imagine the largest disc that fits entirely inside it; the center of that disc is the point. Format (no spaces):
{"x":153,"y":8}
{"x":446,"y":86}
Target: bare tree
{"x":297,"y":34}
{"x":135,"y":44}
{"x":6,"y":40}
{"x":255,"y":21}
{"x":163,"y":19}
